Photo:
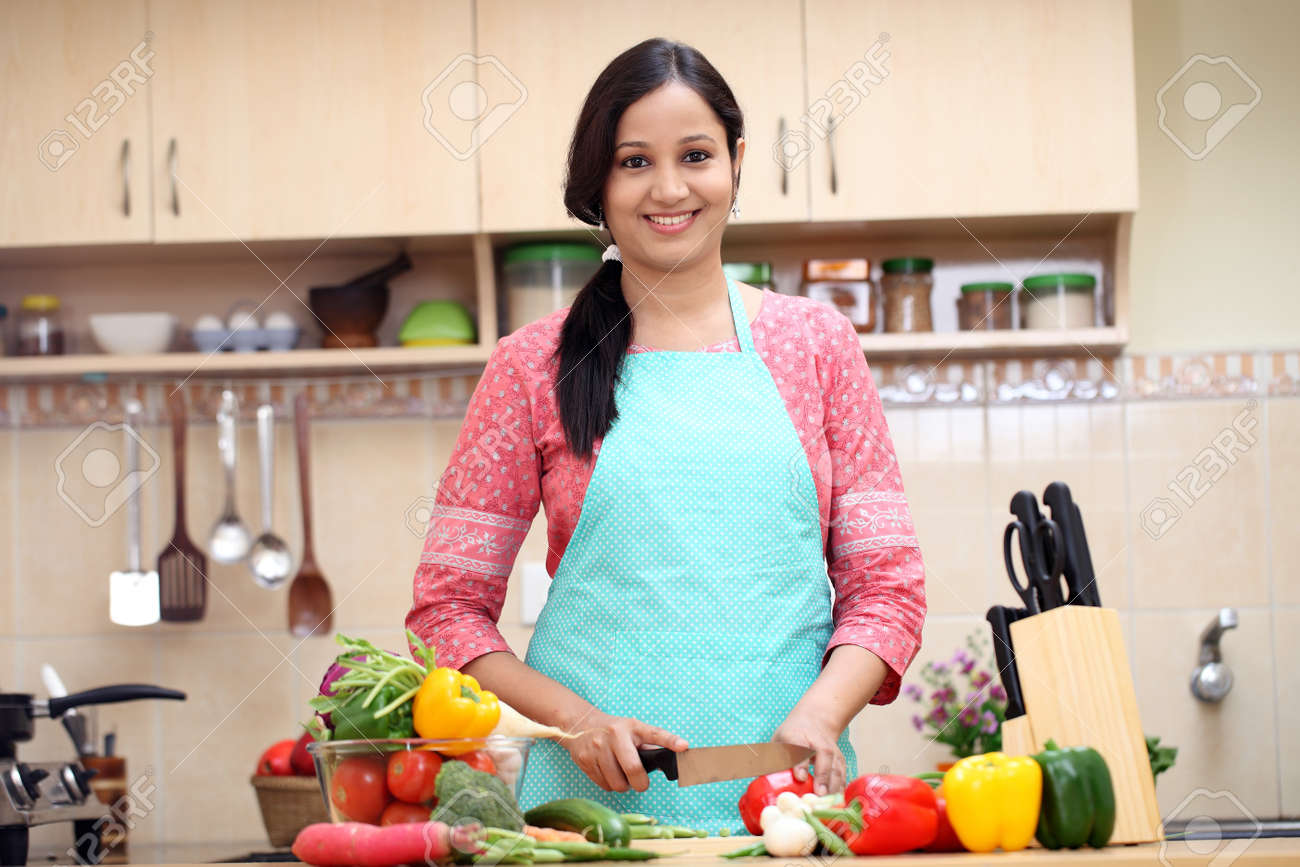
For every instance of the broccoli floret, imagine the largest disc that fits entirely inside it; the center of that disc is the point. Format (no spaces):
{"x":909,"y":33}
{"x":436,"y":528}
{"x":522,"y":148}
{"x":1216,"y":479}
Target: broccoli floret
{"x":468,"y":794}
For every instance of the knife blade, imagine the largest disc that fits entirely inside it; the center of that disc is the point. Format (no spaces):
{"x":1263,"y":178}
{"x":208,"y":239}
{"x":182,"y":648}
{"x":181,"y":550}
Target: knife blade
{"x":698,"y":765}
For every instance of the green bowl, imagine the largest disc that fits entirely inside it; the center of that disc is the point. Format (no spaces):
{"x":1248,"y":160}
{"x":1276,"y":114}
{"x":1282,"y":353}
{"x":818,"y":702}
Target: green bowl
{"x":438,"y":323}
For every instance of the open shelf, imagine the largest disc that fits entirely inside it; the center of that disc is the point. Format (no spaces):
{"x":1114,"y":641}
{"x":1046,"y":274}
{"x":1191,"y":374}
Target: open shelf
{"x":1108,"y":341}
{"x":386,"y":359}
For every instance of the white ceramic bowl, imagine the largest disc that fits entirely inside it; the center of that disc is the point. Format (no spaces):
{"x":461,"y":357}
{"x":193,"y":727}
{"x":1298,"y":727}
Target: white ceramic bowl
{"x":133,"y":333}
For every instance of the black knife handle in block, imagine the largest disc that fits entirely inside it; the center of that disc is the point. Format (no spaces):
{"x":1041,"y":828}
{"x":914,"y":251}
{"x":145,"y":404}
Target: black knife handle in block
{"x":1000,"y":619}
{"x":1086,"y":574}
{"x":659,"y":759}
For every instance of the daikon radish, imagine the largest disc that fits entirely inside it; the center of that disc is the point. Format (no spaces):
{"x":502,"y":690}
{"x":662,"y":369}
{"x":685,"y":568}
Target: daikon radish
{"x":514,"y":724}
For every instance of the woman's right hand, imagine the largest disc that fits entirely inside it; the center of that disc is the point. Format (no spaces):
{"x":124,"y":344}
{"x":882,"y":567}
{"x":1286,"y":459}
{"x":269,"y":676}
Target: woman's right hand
{"x":606,"y":750}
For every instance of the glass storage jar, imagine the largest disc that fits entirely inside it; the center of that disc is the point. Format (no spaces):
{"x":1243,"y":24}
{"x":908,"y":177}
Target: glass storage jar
{"x":756,"y":274}
{"x":907,"y":283}
{"x":1059,"y":301}
{"x":542,"y":278}
{"x":984,"y":306}
{"x":40,"y":328}
{"x":845,"y":284}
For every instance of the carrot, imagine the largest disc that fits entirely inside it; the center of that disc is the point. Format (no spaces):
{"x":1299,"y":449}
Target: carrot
{"x":549,"y":835}
{"x":354,"y":844}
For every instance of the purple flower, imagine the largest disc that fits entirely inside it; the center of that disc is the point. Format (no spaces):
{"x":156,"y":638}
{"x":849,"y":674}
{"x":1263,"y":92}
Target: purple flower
{"x":980,"y":679}
{"x":997,"y":693}
{"x":967,"y":666}
{"x":959,"y":658}
{"x":917,"y":722}
{"x":990,"y":723}
{"x":938,"y":668}
{"x":913,"y":691}
{"x":937,"y":716}
{"x":942,"y":695}
{"x":969,"y":716}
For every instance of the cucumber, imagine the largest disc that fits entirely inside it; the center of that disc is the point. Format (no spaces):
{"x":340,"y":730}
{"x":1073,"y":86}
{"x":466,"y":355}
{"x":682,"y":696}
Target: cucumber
{"x":596,"y":822}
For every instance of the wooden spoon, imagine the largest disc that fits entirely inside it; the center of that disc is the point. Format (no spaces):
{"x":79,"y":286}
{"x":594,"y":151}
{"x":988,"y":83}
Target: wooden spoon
{"x":311,"y":609}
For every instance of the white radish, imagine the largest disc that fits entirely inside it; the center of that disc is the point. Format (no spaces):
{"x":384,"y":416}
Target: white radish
{"x":514,"y":724}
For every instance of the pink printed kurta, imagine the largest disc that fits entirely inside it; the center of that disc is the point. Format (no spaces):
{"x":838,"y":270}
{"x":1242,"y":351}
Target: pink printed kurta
{"x":511,"y":457}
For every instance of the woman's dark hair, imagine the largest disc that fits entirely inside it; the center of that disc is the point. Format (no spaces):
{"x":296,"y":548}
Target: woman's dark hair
{"x":598,"y":329}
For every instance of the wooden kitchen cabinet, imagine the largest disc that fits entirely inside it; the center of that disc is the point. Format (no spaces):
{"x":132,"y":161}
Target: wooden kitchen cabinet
{"x":979,"y":108}
{"x":75,"y":139}
{"x":547,"y":53}
{"x":302,"y":119}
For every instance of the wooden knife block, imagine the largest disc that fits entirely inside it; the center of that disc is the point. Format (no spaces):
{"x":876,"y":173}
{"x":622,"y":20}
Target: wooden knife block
{"x":1078,"y":691}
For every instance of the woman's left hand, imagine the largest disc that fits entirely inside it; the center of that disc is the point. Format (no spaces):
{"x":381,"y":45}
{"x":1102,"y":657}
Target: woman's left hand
{"x":808,"y":730}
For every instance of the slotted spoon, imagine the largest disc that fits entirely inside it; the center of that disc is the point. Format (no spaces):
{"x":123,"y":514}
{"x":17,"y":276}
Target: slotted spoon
{"x":182,"y":565}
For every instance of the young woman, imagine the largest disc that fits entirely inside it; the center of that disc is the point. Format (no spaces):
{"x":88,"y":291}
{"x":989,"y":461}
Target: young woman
{"x":713,"y":462}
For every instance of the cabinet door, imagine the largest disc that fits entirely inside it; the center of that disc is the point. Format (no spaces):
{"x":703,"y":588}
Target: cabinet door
{"x":754,"y":45}
{"x":981,"y":107}
{"x":75,"y":138}
{"x":302,"y":118}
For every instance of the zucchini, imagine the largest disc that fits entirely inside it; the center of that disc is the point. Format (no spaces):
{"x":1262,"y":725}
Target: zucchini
{"x":596,"y":822}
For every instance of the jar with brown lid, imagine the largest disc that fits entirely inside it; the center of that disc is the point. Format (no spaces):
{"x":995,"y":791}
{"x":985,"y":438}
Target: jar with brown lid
{"x":846,"y":285}
{"x":907,"y":283}
{"x":984,"y":306}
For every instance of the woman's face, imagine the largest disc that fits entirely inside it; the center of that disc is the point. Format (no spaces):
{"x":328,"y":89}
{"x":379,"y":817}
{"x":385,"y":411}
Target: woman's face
{"x":669,"y":191}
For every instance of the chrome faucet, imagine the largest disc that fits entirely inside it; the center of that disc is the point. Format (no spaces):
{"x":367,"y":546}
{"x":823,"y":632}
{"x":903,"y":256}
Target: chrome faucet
{"x":1212,"y":679}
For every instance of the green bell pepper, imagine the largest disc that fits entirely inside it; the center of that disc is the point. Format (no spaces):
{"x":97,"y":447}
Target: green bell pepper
{"x":1078,"y":798}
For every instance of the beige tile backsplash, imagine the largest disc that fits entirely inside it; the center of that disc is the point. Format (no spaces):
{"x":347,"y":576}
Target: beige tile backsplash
{"x":249,"y":681}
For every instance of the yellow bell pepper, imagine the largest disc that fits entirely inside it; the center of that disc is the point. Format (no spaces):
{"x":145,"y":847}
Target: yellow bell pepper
{"x":450,"y":704}
{"x":993,"y":800}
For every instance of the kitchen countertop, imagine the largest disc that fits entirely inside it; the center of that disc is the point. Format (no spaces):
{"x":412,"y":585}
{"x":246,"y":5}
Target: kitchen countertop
{"x":708,"y":851}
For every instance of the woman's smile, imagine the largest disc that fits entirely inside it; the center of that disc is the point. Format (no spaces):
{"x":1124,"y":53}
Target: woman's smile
{"x":673,"y":223}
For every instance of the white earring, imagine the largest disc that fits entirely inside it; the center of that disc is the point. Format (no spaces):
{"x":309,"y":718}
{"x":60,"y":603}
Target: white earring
{"x":611,"y":253}
{"x":601,"y":227}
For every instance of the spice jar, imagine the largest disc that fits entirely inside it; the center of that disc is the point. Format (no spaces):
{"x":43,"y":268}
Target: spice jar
{"x":40,"y":330}
{"x":907,"y":284}
{"x":542,"y":278}
{"x":756,"y":274}
{"x":1059,"y":301}
{"x":984,"y":306}
{"x":845,"y":284}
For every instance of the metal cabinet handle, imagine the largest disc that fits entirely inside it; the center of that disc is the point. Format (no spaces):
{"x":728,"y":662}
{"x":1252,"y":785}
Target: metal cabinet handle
{"x":785,"y":166}
{"x":126,"y":177}
{"x":830,"y":148}
{"x":171,"y":168}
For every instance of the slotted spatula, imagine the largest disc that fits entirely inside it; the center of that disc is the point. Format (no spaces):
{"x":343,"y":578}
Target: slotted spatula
{"x":311,"y":610}
{"x":182,"y":566}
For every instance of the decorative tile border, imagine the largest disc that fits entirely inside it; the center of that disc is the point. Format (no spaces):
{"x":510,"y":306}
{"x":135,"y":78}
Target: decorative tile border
{"x":445,"y":394}
{"x":433,"y":396}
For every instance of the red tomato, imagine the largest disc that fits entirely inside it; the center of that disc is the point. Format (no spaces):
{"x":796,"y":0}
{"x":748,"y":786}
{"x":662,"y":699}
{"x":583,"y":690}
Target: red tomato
{"x":300,"y":760}
{"x":275,"y":761}
{"x":398,"y":813}
{"x":357,"y":788}
{"x":479,"y":761}
{"x":412,"y":775}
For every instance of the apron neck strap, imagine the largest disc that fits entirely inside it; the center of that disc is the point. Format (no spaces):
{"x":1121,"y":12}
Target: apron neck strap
{"x":739,"y":317}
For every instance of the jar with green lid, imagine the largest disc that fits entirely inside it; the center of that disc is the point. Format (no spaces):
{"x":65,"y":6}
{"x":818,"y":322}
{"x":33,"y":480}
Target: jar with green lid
{"x":756,"y":274}
{"x":984,"y":306}
{"x":543,"y":278}
{"x":1059,"y":301}
{"x":40,"y":328}
{"x":906,"y":284}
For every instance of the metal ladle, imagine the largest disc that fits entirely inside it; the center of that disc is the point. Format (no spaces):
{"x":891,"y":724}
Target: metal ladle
{"x":230,"y":539}
{"x":269,"y":560}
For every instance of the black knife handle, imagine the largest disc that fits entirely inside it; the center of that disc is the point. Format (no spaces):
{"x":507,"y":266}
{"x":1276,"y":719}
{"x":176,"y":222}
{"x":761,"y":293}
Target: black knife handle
{"x":1089,"y":578}
{"x":1000,"y":619}
{"x":659,"y":759}
{"x":1057,"y":498}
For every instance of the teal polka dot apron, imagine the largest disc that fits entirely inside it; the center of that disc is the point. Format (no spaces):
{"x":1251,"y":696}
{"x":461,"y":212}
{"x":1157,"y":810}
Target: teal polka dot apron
{"x":693,"y":594}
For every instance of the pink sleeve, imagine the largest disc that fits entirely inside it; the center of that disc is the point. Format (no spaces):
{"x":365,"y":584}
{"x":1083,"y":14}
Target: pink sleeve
{"x":485,"y":503}
{"x":874,"y":562}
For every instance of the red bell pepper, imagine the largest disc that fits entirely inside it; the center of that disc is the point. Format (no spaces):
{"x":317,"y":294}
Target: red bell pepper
{"x":899,"y":814}
{"x":762,"y":792}
{"x":946,"y":839}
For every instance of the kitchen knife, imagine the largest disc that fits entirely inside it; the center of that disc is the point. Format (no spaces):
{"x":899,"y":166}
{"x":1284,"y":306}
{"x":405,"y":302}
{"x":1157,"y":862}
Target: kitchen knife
{"x":1057,"y":498}
{"x":1086,"y":573}
{"x":691,"y":767}
{"x":1000,"y":617}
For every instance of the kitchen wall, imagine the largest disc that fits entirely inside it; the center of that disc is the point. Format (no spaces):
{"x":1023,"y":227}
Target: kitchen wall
{"x":1120,"y":434}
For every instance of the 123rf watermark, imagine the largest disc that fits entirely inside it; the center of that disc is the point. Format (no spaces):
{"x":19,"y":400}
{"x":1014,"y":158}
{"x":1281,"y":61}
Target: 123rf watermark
{"x":121,"y":816}
{"x":1207,"y":98}
{"x":106,"y":99}
{"x":841,"y":99}
{"x":1195,"y":480}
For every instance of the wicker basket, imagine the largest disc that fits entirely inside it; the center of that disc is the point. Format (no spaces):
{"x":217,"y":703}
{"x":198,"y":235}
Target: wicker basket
{"x":289,"y":804}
